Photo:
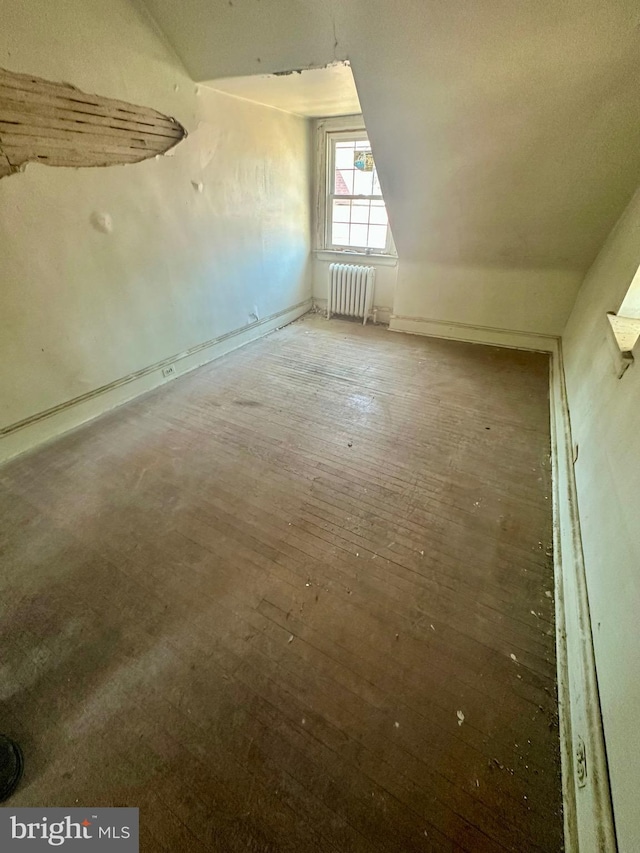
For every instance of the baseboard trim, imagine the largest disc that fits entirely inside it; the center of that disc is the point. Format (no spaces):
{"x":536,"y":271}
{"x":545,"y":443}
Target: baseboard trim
{"x":510,"y":338}
{"x":588,"y":813}
{"x":43,"y":426}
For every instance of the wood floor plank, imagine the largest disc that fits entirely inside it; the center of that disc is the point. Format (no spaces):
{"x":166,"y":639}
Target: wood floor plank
{"x":298,"y":600}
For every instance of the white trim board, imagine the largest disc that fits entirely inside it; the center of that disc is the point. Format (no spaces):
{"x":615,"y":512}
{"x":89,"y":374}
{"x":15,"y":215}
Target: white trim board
{"x":333,"y":256}
{"x":588,"y":815}
{"x":44,"y":426}
{"x":473,"y":334}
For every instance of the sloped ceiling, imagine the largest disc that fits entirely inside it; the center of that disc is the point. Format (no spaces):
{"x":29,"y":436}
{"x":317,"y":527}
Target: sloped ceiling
{"x":505,"y":133}
{"x":314,"y":93}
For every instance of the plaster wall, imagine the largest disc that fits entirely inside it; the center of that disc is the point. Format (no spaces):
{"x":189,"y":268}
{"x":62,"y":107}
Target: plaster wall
{"x":605,"y":412}
{"x":506,"y":135}
{"x":507,"y":298}
{"x":106,"y":271}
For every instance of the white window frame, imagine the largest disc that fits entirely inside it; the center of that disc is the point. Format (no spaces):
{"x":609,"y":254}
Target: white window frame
{"x":624,"y":326}
{"x":329,"y":131}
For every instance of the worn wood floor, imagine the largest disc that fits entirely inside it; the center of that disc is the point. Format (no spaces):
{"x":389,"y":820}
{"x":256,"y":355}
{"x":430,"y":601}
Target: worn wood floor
{"x":299,"y":600}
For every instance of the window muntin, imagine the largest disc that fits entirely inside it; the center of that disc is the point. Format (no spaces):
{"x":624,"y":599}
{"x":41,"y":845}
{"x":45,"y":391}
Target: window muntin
{"x":356,"y":214}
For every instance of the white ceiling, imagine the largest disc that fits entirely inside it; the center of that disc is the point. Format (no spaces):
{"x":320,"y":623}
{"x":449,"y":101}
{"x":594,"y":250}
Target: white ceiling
{"x":314,"y":92}
{"x":506,"y":135}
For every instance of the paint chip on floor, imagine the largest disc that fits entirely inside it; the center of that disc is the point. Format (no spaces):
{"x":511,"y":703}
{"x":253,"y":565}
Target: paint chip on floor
{"x":460,"y":717}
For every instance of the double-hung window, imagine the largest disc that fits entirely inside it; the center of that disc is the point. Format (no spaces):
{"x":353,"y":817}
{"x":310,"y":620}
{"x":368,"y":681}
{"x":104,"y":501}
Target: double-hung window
{"x":356,"y":216}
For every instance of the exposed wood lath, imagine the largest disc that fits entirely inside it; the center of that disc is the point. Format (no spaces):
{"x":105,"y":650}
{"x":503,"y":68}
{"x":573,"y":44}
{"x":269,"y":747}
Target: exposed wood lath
{"x":57,"y":124}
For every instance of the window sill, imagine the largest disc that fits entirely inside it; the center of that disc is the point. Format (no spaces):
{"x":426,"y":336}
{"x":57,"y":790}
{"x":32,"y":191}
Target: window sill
{"x":625,"y":332}
{"x":357,"y":257}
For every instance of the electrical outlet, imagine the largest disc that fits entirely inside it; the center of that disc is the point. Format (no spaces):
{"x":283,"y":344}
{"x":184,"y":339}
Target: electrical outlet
{"x":169,"y":371}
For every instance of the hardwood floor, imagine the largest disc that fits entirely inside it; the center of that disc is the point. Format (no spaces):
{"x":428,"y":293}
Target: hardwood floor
{"x":298,"y":600}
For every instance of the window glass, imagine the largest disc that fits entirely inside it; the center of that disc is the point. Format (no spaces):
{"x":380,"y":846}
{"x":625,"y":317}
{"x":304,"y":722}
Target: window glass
{"x":358,"y":220}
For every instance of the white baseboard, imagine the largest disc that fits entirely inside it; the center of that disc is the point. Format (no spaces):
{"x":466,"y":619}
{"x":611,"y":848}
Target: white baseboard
{"x":472,"y":334}
{"x":382,"y":315}
{"x":588,"y":813}
{"x":43,"y":426}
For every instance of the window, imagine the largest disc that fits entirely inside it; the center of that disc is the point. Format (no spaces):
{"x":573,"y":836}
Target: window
{"x":356,"y":216}
{"x":631,"y":303}
{"x":625,"y":325}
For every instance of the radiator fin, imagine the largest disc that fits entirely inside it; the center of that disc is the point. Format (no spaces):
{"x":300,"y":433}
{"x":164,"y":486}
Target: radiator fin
{"x":351,"y":290}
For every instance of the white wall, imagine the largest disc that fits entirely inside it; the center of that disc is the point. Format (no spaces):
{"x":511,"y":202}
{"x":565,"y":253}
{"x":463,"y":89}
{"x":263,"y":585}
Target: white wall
{"x":506,"y":135}
{"x":605,"y":415}
{"x":510,"y":298}
{"x":79,"y":308}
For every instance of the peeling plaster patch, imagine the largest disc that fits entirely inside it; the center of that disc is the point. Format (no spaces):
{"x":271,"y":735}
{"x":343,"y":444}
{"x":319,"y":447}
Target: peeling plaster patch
{"x":311,"y":67}
{"x":58,"y":125}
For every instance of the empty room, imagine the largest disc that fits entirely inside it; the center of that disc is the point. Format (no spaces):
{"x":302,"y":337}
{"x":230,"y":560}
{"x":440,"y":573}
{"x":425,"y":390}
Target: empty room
{"x":319,"y":448}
